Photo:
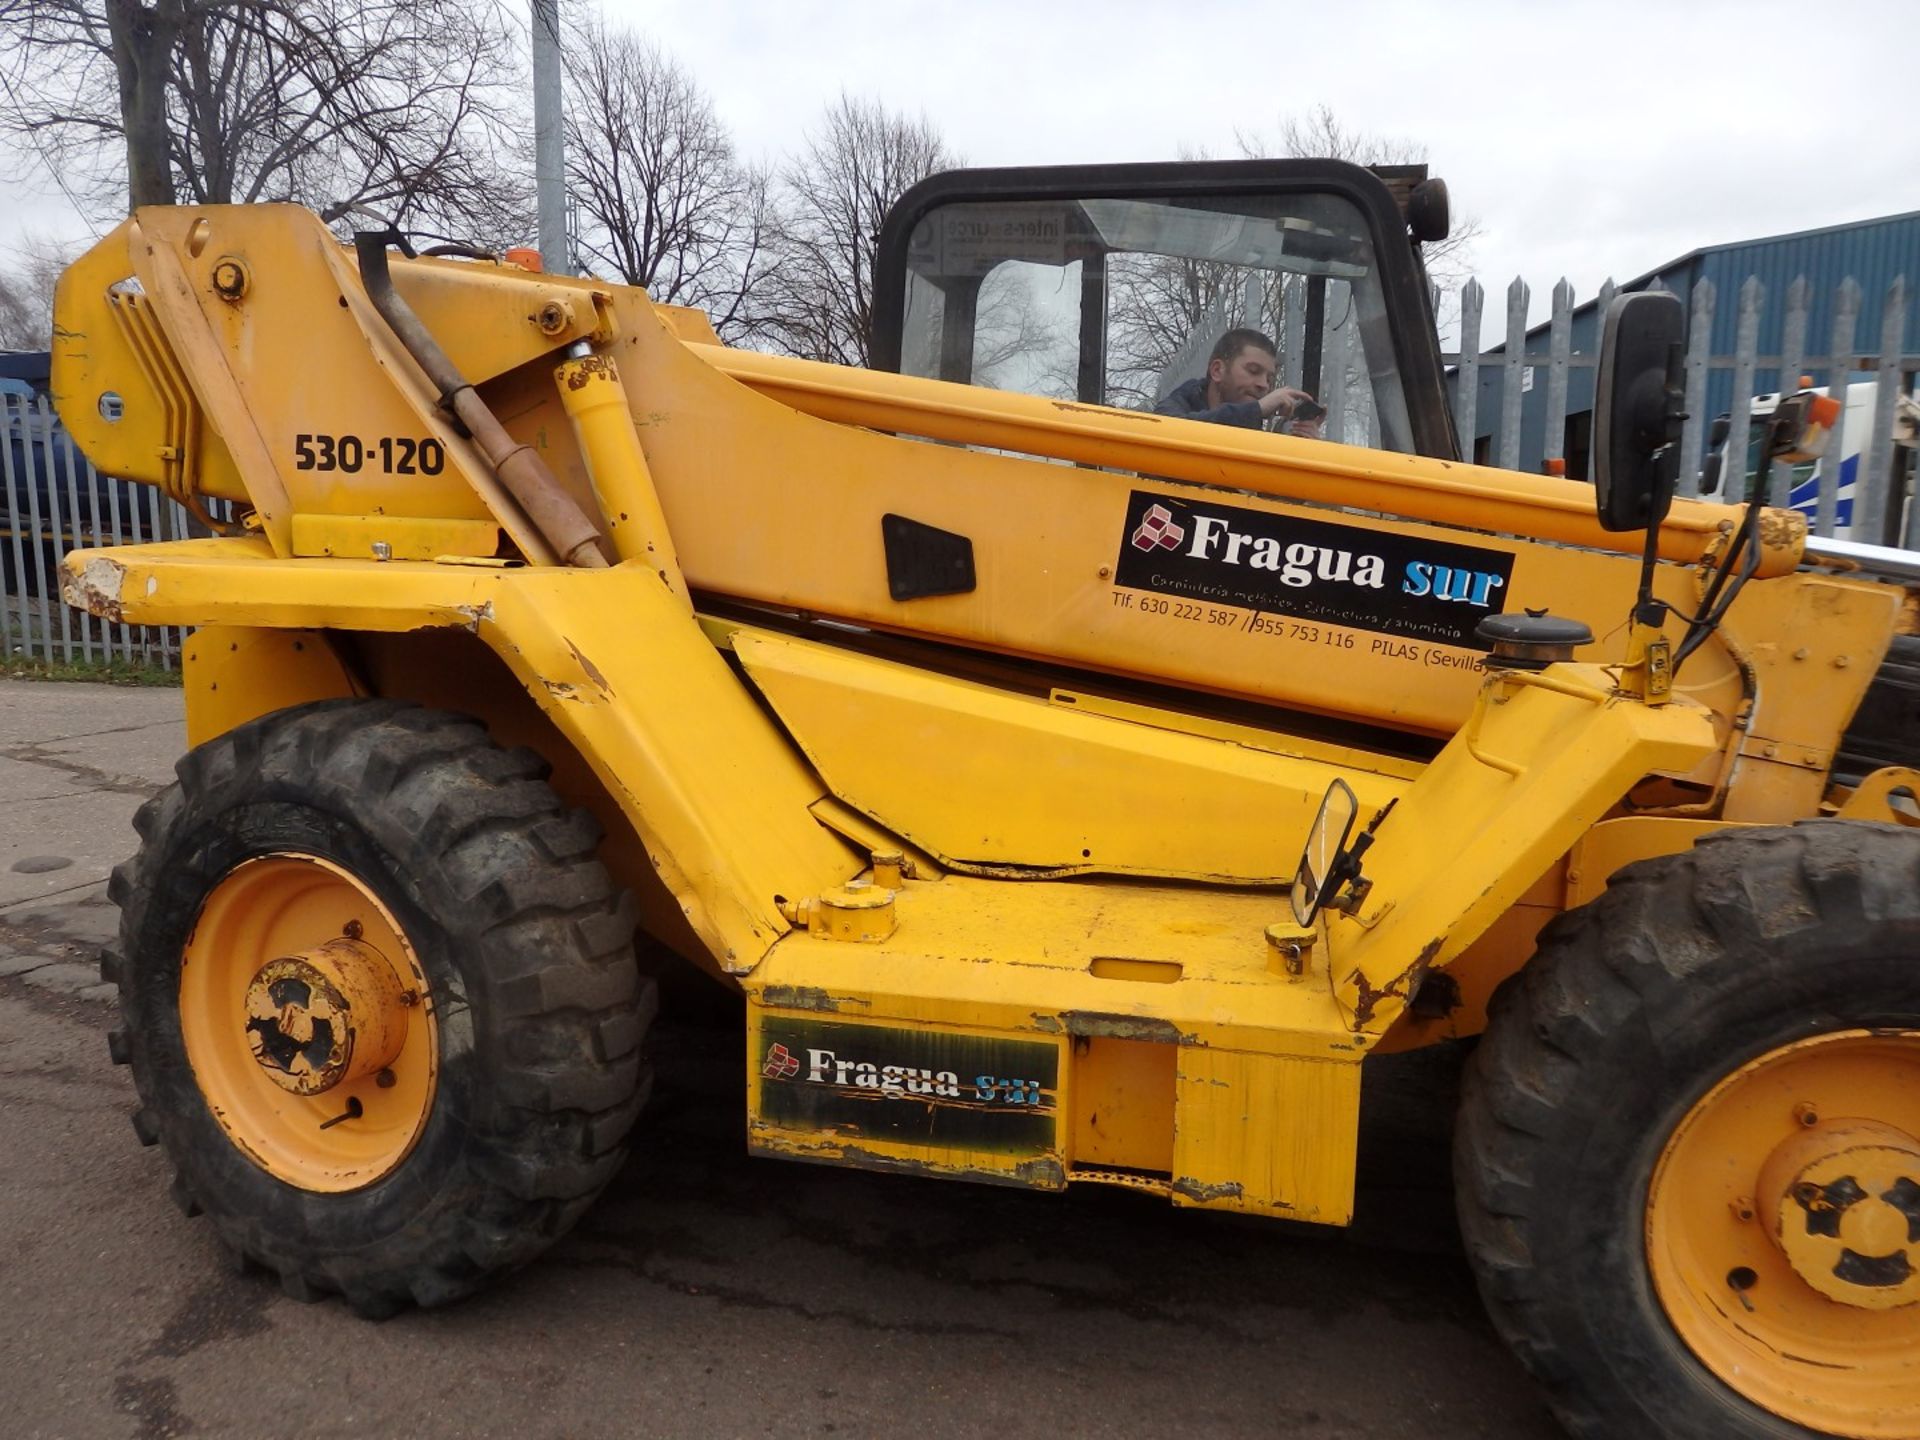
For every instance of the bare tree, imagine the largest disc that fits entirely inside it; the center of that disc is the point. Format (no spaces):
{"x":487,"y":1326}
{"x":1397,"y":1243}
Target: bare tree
{"x":1157,"y":305}
{"x":817,"y":301}
{"x":1017,"y":346}
{"x":1162,"y":307}
{"x":1319,"y":134}
{"x":395,"y":107}
{"x":26,"y":294}
{"x":663,"y":200}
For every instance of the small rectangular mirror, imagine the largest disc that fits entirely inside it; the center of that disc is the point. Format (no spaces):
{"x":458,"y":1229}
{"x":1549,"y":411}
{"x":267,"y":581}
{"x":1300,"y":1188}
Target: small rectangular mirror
{"x":1325,"y":841}
{"x":1636,"y":409}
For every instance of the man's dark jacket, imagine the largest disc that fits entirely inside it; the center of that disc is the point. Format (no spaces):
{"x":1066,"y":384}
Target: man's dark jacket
{"x":1189,"y":402}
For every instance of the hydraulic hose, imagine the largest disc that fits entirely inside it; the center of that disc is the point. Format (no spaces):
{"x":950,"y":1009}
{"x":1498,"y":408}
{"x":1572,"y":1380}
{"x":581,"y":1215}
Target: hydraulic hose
{"x":561,"y":523}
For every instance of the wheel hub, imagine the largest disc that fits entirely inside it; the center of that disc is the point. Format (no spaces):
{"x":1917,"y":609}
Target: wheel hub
{"x":1783,"y":1243}
{"x":309,"y":1022}
{"x":1842,"y":1201}
{"x":326,"y":1016}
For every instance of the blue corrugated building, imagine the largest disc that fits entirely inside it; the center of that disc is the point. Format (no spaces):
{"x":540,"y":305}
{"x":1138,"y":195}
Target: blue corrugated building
{"x":1873,"y":252}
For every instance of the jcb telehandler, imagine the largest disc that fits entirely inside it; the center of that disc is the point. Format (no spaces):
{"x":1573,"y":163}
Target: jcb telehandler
{"x":1075,"y":794}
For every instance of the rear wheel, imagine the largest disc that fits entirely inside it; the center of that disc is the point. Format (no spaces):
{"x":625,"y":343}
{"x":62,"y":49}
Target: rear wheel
{"x":380,"y":1001}
{"x":1689,"y":1151}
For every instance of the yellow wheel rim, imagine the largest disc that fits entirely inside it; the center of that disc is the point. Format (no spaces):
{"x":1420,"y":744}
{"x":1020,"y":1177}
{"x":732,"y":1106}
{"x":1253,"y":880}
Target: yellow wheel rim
{"x":1783,"y":1232}
{"x":309,"y":1023}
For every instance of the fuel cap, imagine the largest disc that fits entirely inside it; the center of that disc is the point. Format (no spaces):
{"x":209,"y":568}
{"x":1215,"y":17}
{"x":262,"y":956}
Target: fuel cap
{"x":1531,"y":641}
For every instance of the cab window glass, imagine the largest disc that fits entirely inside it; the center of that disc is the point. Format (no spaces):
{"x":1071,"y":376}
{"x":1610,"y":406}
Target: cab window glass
{"x":1120,"y":301}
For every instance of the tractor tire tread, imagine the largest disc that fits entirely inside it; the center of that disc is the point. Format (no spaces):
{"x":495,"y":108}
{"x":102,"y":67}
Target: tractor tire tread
{"x":1609,"y":992}
{"x":555,"y":994}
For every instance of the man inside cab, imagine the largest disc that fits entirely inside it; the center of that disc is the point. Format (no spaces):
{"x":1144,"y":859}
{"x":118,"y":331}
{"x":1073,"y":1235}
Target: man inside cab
{"x":1239,"y":389}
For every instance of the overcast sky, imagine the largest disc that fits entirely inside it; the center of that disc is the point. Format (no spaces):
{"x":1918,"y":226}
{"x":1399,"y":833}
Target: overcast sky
{"x":1589,"y":139}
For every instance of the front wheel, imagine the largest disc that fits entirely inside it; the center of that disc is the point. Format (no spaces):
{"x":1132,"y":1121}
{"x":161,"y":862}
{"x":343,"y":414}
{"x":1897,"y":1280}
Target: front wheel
{"x":380,"y":1001}
{"x":1688,"y":1158}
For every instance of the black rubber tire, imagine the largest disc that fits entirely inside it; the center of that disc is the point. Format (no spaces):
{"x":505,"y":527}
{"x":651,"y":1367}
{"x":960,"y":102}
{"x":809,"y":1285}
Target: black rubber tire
{"x":528,"y":948}
{"x":1633,"y":1008}
{"x":1886,"y":727}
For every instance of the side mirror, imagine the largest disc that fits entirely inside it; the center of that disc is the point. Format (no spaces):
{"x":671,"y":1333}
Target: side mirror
{"x":1638,"y":402}
{"x":1712,"y":467}
{"x":1326,"y":841}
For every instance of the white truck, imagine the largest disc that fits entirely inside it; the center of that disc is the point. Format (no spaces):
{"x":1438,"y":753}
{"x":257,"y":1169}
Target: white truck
{"x":1856,"y":440}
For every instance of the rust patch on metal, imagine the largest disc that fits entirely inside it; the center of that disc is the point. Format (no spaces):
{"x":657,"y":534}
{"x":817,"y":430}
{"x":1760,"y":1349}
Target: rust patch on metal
{"x":806,"y":997}
{"x":1367,"y":998}
{"x":1122,"y":1027}
{"x":1206,"y":1192}
{"x":95,"y":585}
{"x":1069,"y":407}
{"x":592,"y":670}
{"x":1782,"y":529}
{"x":864,"y":1159}
{"x":1043,"y":1172}
{"x":589,"y":368}
{"x":997,"y":870}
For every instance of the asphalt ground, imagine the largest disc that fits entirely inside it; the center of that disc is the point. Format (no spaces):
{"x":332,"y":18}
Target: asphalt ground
{"x":706,"y":1293}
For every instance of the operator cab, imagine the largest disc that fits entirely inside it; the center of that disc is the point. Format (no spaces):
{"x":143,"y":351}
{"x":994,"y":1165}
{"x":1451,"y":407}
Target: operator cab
{"x":1110,"y":284}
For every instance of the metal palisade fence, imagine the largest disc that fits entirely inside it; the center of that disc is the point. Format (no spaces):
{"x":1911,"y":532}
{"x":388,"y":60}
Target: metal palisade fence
{"x":52,"y":501}
{"x":1519,"y":404}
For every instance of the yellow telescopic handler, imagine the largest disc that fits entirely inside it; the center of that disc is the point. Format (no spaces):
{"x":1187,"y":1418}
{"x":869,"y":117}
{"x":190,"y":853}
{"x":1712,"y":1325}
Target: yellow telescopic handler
{"x":1076,"y":794}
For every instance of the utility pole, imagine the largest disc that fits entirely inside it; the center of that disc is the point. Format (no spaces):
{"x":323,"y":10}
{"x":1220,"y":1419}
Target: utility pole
{"x":549,"y":149}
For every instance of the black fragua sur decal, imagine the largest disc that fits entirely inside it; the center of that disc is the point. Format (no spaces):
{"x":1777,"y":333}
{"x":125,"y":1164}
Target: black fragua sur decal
{"x":1311,"y":569}
{"x":917,"y":1087}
